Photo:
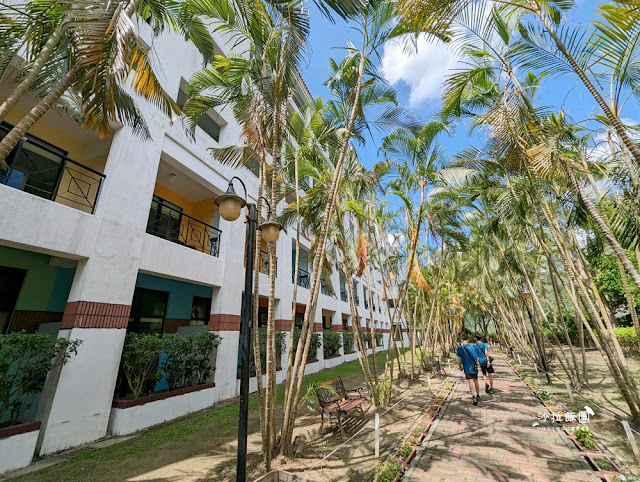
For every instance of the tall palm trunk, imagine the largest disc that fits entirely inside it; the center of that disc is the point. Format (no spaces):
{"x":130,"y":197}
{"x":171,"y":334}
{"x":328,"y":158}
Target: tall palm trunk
{"x":34,"y":70}
{"x":291,"y":402}
{"x":602,"y":103}
{"x":14,"y":136}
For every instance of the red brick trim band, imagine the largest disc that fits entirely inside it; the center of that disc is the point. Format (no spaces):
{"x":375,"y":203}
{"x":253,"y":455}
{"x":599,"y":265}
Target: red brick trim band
{"x":336,"y":328}
{"x":30,"y":321}
{"x":23,"y":426}
{"x":89,"y":314}
{"x":220,"y":322}
{"x":160,"y":396}
{"x":283,"y":325}
{"x":317,"y":327}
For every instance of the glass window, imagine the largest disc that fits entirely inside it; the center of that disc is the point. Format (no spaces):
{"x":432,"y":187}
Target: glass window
{"x":327,"y":321}
{"x":148,"y":311}
{"x":200,"y":310}
{"x":263,"y":316}
{"x":206,"y":122}
{"x":299,"y":319}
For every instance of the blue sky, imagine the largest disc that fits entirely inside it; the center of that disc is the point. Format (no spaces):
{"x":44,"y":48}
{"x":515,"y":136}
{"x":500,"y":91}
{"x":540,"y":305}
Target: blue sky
{"x":418,"y":78}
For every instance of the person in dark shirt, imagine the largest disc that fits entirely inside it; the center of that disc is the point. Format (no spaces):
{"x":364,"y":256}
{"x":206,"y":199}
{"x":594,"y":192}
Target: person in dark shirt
{"x":468,"y":362}
{"x":485,"y":363}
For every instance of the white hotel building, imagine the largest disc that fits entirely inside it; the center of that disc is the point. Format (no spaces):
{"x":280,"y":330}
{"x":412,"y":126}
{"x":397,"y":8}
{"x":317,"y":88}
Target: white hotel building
{"x":98,"y":237}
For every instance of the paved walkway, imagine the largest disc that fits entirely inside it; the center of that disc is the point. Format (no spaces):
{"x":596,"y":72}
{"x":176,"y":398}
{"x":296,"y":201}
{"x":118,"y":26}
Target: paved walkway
{"x":495,"y":440}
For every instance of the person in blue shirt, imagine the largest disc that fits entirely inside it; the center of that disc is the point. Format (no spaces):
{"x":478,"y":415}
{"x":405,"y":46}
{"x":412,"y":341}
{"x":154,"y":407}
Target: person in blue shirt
{"x":485,"y":363}
{"x":468,"y":362}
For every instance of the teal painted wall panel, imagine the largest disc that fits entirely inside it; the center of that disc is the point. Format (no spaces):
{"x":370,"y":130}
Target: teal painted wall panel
{"x":46,"y":287}
{"x":61,"y":289}
{"x":180,"y":293}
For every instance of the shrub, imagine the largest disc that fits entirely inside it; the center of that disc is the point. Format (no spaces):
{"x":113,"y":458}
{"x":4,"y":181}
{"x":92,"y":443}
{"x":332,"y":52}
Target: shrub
{"x":404,"y":452}
{"x":378,"y":337}
{"x":280,"y":347}
{"x":367,"y":338}
{"x":182,"y":360}
{"x":604,"y":464}
{"x":347,"y":341}
{"x":389,"y":471}
{"x":585,"y":437}
{"x":544,"y":394}
{"x":313,"y":347}
{"x":628,"y":339}
{"x":186,"y":359}
{"x":331,"y":343}
{"x":25,"y":360}
{"x":139,"y":361}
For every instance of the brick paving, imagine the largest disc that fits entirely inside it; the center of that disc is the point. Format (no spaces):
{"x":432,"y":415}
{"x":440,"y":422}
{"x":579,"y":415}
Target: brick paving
{"x":495,"y":440}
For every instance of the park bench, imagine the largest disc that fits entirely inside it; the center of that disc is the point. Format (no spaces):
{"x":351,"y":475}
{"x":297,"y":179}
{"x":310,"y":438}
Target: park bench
{"x":335,"y":402}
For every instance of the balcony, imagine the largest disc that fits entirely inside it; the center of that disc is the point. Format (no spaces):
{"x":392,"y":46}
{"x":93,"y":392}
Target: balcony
{"x":304,"y":278}
{"x":167,"y":221}
{"x":263,"y":265}
{"x":323,"y":289}
{"x":343,"y":295}
{"x":43,"y":170}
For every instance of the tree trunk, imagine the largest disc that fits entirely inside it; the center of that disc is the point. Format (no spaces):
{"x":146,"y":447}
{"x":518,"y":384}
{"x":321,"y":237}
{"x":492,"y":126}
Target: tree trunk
{"x":12,"y":139}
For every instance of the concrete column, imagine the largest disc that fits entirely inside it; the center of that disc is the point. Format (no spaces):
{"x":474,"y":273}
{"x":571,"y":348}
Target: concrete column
{"x":77,"y":398}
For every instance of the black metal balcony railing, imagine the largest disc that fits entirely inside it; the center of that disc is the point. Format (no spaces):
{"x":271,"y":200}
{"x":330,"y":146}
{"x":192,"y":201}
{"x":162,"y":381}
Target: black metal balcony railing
{"x":374,"y":306}
{"x":366,"y":305}
{"x":357,"y":300}
{"x":41,"y":169}
{"x":323,"y":289}
{"x":166,"y":220}
{"x":343,"y":294}
{"x":304,"y":278}
{"x":263,"y":266}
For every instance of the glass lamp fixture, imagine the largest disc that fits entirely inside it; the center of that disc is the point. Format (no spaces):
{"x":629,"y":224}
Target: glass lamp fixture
{"x":230,"y":204}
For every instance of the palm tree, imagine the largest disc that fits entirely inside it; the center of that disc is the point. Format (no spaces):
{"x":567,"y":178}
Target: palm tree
{"x":97,"y":52}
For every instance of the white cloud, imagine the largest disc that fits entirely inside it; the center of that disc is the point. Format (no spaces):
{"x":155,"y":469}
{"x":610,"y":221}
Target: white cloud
{"x":423,"y":72}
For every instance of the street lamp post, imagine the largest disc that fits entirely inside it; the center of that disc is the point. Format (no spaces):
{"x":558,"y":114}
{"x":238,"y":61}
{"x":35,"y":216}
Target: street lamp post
{"x":526,"y":296}
{"x":230,"y":205}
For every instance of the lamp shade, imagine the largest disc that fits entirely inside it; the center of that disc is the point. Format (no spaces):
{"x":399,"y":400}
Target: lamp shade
{"x":525,"y":294}
{"x":230,"y":204}
{"x":270,"y":230}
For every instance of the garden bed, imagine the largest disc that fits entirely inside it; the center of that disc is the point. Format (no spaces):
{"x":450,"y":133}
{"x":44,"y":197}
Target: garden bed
{"x":18,"y":444}
{"x":129,"y":416}
{"x":403,"y":453}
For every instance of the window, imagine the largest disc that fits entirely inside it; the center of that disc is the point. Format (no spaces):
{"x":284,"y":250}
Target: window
{"x":299,"y":319}
{"x":206,"y":122}
{"x":263,"y":316}
{"x":148,"y":311}
{"x":200,"y":310}
{"x":390,"y":302}
{"x":345,"y":324}
{"x":327,"y":321}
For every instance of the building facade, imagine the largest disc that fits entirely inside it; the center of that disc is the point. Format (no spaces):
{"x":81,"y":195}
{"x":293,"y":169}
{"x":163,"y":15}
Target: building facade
{"x":103,"y":236}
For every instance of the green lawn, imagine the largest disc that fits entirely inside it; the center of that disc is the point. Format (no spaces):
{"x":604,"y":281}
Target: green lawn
{"x":197,"y":434}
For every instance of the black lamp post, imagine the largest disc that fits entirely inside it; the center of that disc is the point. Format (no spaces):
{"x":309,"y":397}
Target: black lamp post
{"x":230,"y":205}
{"x":526,"y":296}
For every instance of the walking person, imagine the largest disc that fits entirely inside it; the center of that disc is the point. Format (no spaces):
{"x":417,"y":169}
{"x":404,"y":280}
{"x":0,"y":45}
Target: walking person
{"x":484,"y":359}
{"x":468,"y":362}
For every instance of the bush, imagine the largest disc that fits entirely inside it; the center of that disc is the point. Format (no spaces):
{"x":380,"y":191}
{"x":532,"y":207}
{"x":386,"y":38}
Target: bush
{"x":139,"y":361}
{"x":186,"y":359}
{"x":313,"y":347}
{"x":182,"y":360}
{"x":367,"y":338}
{"x":628,"y":339}
{"x":585,"y":437}
{"x":331,"y":343}
{"x":544,"y":394}
{"x":280,"y":347}
{"x":404,"y":452}
{"x":25,"y":360}
{"x":378,"y":337}
{"x":347,"y":341}
{"x":389,"y":471}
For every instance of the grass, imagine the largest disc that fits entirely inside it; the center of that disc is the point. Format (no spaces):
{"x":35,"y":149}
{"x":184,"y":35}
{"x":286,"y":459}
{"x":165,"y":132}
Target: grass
{"x":169,"y":443}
